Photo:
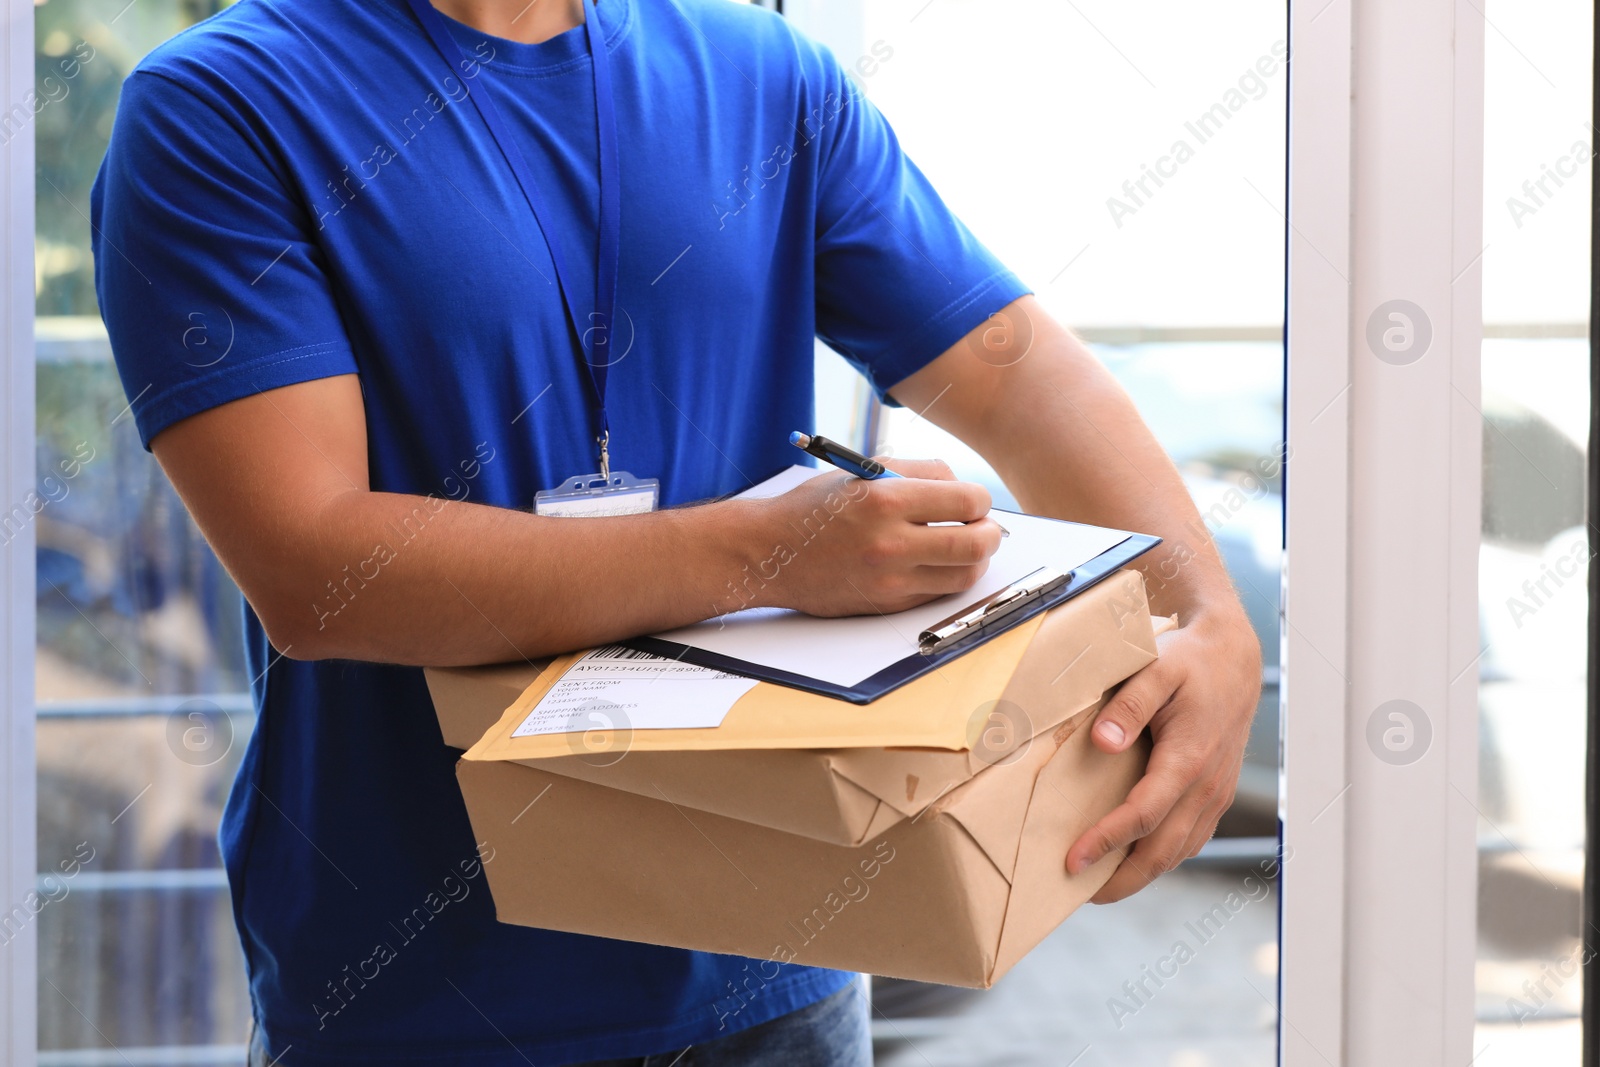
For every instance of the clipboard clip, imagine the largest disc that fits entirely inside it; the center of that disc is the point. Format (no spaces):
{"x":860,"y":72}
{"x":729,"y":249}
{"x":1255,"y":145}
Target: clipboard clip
{"x":992,"y":609}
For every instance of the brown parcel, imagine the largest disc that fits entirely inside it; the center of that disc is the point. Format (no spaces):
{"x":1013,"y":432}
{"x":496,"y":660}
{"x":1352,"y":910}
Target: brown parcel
{"x":849,"y":795}
{"x":956,"y":893}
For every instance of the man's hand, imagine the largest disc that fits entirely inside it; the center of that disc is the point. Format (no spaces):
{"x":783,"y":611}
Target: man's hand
{"x":1068,"y":442}
{"x":1197,"y":699}
{"x":848,"y":546}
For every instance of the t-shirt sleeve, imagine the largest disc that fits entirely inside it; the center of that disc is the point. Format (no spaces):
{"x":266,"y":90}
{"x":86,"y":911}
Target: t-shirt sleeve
{"x":899,"y":278}
{"x":210,"y":282}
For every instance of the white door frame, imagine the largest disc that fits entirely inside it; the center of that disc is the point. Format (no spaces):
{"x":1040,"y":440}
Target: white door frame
{"x":1382,"y":526}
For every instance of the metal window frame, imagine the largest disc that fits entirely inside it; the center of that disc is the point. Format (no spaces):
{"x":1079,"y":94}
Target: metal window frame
{"x":18,"y":957}
{"x":1591,"y":875}
{"x":1385,"y":203}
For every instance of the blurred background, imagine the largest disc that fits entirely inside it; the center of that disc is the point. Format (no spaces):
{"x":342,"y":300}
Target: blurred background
{"x":143,"y":712}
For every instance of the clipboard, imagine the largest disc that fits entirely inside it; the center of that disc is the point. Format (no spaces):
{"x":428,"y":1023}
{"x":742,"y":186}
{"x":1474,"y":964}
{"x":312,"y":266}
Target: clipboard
{"x":918,"y":663}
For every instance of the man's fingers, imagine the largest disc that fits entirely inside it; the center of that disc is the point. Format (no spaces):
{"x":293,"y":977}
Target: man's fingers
{"x":1195,"y":816}
{"x":1206,"y":826}
{"x":923,"y":501}
{"x":1135,"y":704}
{"x":1148,"y":860}
{"x":947,"y":499}
{"x":954,"y":546}
{"x":931,"y":469}
{"x":1166,"y":780}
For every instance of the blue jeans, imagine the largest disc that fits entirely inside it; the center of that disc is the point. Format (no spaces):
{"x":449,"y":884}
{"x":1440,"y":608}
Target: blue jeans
{"x":833,"y":1032}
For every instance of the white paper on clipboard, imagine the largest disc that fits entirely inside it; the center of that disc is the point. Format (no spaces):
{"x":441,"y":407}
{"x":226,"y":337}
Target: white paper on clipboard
{"x":850,"y":650}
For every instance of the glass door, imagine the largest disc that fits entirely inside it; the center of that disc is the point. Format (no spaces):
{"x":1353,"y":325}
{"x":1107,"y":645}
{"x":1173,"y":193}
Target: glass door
{"x":1168,"y":259}
{"x":141,"y":699}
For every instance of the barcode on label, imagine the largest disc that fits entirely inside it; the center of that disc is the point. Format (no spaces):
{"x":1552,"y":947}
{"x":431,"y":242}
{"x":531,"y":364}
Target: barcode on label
{"x":618,"y":652}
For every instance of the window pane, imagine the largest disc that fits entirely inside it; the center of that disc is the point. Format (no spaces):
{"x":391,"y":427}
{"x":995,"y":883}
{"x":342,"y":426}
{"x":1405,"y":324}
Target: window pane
{"x":1126,"y":159}
{"x":1532,"y":600}
{"x":142,"y":717}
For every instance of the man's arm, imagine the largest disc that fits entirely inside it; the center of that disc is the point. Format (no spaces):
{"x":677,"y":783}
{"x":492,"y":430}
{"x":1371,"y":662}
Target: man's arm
{"x":1068,"y":442}
{"x":278,"y":485}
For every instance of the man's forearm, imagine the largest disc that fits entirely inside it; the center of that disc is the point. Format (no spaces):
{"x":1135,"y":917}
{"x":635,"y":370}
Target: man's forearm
{"x":277,"y":482}
{"x":1090,"y":458}
{"x":425,"y":580}
{"x":1069,"y":443}
{"x":448,"y":583}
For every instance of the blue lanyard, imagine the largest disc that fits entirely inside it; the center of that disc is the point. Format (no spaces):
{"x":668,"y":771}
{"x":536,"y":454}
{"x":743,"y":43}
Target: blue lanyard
{"x":594,"y":334}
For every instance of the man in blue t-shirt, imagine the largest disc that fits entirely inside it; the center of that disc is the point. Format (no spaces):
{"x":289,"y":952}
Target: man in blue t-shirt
{"x":347,"y":251}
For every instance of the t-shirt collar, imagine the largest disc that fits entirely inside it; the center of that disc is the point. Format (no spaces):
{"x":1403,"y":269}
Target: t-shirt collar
{"x":569,"y":47}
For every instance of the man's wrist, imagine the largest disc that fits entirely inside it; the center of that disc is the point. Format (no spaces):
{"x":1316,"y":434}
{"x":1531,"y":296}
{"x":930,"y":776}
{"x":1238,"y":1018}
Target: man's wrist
{"x":1221,"y":614}
{"x":736,"y":577}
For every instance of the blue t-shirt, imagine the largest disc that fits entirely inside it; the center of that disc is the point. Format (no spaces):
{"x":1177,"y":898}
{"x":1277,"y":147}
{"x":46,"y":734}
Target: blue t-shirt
{"x":300,"y":189}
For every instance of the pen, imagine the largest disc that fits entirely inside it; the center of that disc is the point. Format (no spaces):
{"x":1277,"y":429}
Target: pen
{"x":848,"y":459}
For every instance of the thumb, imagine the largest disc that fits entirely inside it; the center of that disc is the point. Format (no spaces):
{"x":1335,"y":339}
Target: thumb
{"x":1127,"y":713}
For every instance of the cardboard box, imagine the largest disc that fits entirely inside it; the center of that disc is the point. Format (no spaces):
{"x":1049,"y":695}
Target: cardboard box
{"x":936,"y":865}
{"x":956,"y":895}
{"x":1058,"y":671}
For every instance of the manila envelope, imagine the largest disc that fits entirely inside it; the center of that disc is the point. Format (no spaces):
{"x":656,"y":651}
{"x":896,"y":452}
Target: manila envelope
{"x":1096,"y":632}
{"x":842,"y":795}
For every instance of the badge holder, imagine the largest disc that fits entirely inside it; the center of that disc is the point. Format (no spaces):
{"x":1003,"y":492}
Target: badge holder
{"x":595,"y":495}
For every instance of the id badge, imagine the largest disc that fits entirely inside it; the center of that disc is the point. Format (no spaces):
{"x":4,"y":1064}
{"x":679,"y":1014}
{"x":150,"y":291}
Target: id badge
{"x":591,"y":496}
